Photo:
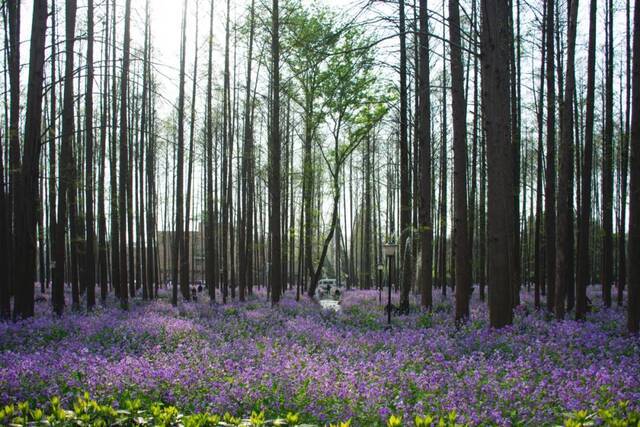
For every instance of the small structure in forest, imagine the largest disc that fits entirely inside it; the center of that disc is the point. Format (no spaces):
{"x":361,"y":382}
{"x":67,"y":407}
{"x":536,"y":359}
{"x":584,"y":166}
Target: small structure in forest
{"x":329,"y":293}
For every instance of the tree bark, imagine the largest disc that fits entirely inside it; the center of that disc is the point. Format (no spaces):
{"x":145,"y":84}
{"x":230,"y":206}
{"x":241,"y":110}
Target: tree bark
{"x":461,"y":226}
{"x":583,"y":259}
{"x":497,"y":124}
{"x":633,"y":305}
{"x":124,"y":165}
{"x":564,"y":237}
{"x":275,"y":271}
{"x":607,"y":163}
{"x":550,"y":172}
{"x":405,"y":192}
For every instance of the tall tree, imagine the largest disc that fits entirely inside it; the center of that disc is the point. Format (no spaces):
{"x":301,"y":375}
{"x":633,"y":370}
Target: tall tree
{"x":607,"y":162}
{"x":633,"y":307}
{"x":102,"y":221}
{"x":226,"y":163}
{"x":425,"y":276}
{"x":210,"y":256}
{"x":624,"y":166}
{"x":184,"y":256}
{"x":124,"y":166}
{"x":178,"y":245}
{"x":246,"y":228}
{"x":275,"y":272}
{"x":459,"y":110}
{"x":497,"y":124}
{"x":29,"y":173}
{"x":538,"y":244}
{"x":90,"y":261}
{"x":564,"y":236}
{"x":67,"y":164}
{"x":583,"y":260}
{"x":405,"y":192}
{"x":550,"y":172}
{"x":13,"y":136}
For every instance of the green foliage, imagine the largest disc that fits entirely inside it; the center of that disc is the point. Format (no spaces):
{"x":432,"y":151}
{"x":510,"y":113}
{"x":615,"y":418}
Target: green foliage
{"x":135,"y":412}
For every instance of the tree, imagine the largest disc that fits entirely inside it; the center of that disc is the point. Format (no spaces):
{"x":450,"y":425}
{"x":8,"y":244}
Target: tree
{"x":102,"y":221}
{"x":67,"y":165}
{"x":90,"y":261}
{"x":275,"y":272}
{"x":583,"y":262}
{"x":607,"y":163}
{"x":308,"y":38}
{"x":14,"y":131}
{"x":27,"y":195}
{"x":210,"y":255}
{"x":564,"y":236}
{"x":496,"y":118}
{"x":352,"y":111}
{"x":550,"y":172}
{"x":184,"y":256}
{"x":124,"y":167}
{"x":246,"y":228}
{"x":178,"y":245}
{"x":633,"y":307}
{"x":405,"y":192}
{"x":461,"y":226}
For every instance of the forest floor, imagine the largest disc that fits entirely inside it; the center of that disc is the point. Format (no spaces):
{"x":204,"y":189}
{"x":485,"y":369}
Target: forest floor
{"x":326,"y":365}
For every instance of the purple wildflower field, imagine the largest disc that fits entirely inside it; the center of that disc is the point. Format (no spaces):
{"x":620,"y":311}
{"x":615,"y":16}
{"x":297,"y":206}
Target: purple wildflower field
{"x":327,"y":366}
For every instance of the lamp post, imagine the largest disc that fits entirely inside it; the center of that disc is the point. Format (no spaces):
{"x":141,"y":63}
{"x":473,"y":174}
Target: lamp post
{"x":389,"y":250}
{"x":380,"y":268}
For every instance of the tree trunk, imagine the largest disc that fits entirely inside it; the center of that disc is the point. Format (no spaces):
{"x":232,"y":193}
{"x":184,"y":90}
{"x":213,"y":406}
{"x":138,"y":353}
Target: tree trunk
{"x":124,"y":167}
{"x":550,"y":173}
{"x":184,"y":263}
{"x":607,"y":163}
{"x":275,"y":278}
{"x":461,"y":226}
{"x":633,"y":307}
{"x":564,"y":237}
{"x":102,"y":223}
{"x":66,"y":186}
{"x":583,"y":259}
{"x":90,"y":261}
{"x":495,"y":89}
{"x":405,"y":192}
{"x":178,"y":247}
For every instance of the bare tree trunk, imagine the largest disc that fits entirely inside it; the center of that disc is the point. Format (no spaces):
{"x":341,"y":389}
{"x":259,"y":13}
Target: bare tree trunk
{"x":583,"y":259}
{"x":405,"y":203}
{"x":275,"y":278}
{"x":633,"y":307}
{"x":461,"y":226}
{"x":624,"y":167}
{"x":564,"y":237}
{"x":210,"y":254}
{"x":26,"y":202}
{"x":184,"y":263}
{"x":14,"y":143}
{"x":113,"y":162}
{"x":550,"y":173}
{"x":495,"y":89}
{"x":90,"y":260}
{"x":66,"y":186}
{"x":124,"y":167}
{"x":178,"y":248}
{"x":607,"y":163}
{"x":538,"y":244}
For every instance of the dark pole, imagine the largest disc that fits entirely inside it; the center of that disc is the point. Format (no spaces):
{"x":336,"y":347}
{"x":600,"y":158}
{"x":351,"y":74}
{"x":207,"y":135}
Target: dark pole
{"x":379,"y":268}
